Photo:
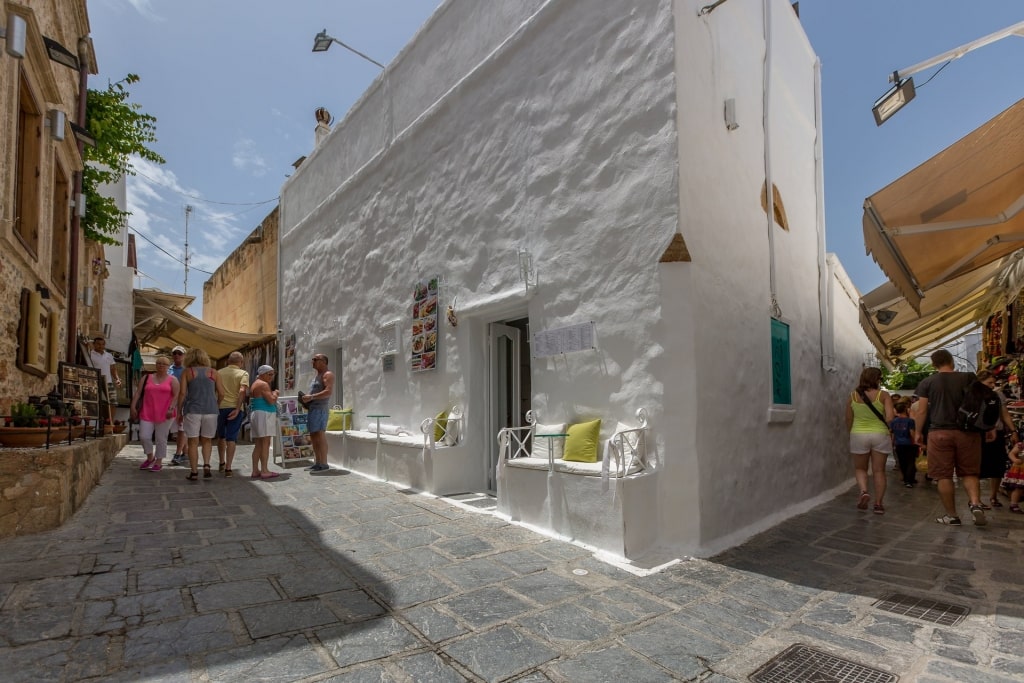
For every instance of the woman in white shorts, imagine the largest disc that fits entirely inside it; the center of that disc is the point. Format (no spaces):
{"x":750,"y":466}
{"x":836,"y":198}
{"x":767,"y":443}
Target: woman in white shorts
{"x":199,"y":407}
{"x":869,"y":435}
{"x":262,"y":421}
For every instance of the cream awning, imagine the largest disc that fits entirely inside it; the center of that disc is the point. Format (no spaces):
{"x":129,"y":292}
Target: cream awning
{"x":953,"y":214}
{"x":947,"y":311}
{"x":161,"y":322}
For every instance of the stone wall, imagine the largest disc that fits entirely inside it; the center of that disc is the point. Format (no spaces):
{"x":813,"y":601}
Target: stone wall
{"x":242,"y":294}
{"x":40,"y":489}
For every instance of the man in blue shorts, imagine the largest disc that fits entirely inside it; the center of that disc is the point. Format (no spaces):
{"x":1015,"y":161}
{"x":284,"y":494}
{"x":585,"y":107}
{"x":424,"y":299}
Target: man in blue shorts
{"x":317,"y":401}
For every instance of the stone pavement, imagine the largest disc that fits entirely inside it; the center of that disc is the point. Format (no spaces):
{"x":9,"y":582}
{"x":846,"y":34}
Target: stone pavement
{"x":333,"y":577}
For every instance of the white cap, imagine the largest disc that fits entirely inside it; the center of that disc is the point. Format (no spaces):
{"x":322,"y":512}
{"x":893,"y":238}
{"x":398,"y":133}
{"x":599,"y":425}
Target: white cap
{"x":264,"y":369}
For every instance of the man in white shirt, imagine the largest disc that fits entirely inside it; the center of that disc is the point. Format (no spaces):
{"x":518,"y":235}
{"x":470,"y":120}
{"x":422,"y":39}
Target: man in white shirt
{"x":105,"y":363}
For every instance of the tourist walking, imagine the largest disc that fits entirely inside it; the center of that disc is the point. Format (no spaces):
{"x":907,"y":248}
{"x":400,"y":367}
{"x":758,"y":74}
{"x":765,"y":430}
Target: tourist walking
{"x":316,"y":402}
{"x":159,"y":395}
{"x":949,"y":447}
{"x":904,"y":442}
{"x":868,"y":414}
{"x":1014,"y":479}
{"x":235,"y":381}
{"x":201,"y":392}
{"x":263,"y":422}
{"x":993,"y":448}
{"x":180,"y":442}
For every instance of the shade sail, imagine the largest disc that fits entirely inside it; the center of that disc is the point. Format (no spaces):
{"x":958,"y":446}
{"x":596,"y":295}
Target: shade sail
{"x":161,"y":321}
{"x":955,"y":213}
{"x":897,"y":330}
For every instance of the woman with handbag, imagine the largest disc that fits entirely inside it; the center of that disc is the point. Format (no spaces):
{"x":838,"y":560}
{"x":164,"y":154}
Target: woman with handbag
{"x":869,"y":411}
{"x":153,"y":406}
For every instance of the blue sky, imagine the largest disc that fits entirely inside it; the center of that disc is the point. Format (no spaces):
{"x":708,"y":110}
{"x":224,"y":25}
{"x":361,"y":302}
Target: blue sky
{"x":234,"y":84}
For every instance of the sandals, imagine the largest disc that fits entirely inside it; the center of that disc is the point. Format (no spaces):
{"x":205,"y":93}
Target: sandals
{"x":949,"y":520}
{"x":994,"y":502}
{"x":206,"y":472}
{"x":862,"y":504}
{"x":879,"y":509}
{"x":228,"y":472}
{"x":193,"y":476}
{"x":1016,"y":509}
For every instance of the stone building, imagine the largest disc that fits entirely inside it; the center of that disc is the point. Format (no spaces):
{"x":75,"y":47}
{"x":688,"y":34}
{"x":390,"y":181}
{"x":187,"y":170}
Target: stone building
{"x":241,"y":295}
{"x":46,"y":45}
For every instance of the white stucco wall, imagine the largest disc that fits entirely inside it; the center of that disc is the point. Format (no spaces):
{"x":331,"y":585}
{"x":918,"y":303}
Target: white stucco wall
{"x":118,"y":303}
{"x":587,"y":135}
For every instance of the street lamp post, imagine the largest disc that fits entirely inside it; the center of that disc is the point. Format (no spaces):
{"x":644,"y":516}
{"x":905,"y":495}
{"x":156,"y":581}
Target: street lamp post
{"x":322,"y":42}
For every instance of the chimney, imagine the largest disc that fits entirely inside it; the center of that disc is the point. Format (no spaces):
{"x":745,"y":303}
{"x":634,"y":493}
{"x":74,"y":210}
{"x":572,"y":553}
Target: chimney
{"x":323,"y":125}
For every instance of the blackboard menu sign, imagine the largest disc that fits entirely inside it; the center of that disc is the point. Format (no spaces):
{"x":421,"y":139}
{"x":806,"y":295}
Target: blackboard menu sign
{"x":80,"y":386}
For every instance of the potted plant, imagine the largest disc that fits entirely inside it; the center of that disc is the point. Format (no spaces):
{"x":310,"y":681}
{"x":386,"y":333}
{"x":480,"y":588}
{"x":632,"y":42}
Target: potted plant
{"x":23,"y":428}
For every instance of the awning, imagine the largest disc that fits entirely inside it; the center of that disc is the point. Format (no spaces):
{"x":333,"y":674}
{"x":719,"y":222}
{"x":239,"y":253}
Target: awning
{"x":161,"y":321}
{"x":955,"y":213}
{"x":949,"y":310}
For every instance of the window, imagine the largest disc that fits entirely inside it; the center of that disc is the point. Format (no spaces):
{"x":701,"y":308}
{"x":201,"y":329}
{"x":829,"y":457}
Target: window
{"x":61,"y":229}
{"x":782,"y":381}
{"x":26,"y":182}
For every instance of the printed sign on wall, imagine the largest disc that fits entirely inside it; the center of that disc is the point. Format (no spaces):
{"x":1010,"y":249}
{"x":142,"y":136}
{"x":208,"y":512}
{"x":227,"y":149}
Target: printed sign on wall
{"x":424,"y":325}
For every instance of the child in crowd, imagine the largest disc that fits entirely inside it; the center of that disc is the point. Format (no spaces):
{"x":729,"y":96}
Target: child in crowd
{"x":1014,"y":479}
{"x":904,"y":441}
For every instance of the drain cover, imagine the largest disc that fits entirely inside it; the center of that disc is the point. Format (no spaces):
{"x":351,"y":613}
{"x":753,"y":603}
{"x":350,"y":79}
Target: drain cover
{"x":803,"y":664}
{"x":943,"y":613}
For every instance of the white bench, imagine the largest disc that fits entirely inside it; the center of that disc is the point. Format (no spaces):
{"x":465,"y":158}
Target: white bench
{"x":610,"y":504}
{"x":394,"y":454}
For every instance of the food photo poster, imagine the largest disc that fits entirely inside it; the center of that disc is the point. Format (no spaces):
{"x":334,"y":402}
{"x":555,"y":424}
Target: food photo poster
{"x":424,"y":325}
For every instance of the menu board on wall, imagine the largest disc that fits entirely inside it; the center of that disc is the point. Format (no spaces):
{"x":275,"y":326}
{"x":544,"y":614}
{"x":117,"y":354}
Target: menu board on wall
{"x":289,"y":362}
{"x":424,"y":325}
{"x":293,"y":429}
{"x":555,"y":342}
{"x":80,"y":386}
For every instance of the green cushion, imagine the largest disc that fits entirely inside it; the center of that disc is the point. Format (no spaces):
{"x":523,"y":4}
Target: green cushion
{"x":581,"y":444}
{"x":440,"y":425}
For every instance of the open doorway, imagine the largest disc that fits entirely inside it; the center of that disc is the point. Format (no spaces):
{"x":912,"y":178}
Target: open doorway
{"x":508,"y":388}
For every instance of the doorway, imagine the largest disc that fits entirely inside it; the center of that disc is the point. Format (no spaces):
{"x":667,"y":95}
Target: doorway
{"x":508,"y":384}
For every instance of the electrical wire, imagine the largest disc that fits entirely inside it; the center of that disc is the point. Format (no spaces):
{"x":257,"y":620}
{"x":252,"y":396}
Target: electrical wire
{"x":934,"y":75}
{"x":200,"y":199}
{"x":175,"y":258}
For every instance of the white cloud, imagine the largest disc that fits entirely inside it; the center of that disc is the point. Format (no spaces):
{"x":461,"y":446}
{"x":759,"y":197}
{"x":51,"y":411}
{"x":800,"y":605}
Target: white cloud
{"x":246,"y":158}
{"x":145,"y":8}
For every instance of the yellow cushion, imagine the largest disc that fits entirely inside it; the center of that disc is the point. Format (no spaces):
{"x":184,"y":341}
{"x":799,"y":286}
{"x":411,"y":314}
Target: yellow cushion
{"x":581,"y":444}
{"x":440,"y":425}
{"x":338,"y":419}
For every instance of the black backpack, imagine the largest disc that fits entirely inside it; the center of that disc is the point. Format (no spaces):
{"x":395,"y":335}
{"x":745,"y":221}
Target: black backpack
{"x":980,"y":409}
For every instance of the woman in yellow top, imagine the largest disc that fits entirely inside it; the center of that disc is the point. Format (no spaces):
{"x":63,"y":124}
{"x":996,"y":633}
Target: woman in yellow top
{"x":869,"y":435}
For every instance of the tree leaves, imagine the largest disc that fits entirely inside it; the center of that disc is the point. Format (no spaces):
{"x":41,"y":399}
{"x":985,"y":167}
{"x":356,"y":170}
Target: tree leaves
{"x":121,"y":129}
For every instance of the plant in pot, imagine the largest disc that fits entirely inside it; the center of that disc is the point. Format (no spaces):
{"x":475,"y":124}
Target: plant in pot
{"x":23,"y":428}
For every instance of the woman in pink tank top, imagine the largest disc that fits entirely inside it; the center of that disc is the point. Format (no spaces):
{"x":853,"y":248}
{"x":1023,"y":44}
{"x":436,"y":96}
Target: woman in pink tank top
{"x":156,"y":414}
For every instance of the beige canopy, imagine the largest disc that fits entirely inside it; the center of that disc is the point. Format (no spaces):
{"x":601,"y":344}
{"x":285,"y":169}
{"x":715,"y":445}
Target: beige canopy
{"x":948,"y":311}
{"x":952,"y":215}
{"x":161,"y":322}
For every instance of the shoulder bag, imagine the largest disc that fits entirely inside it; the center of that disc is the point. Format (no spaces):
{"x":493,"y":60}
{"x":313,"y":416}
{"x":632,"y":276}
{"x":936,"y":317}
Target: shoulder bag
{"x":871,"y":406}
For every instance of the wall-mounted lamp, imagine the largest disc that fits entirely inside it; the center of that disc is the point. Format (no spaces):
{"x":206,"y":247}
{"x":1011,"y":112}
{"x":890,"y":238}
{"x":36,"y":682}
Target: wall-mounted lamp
{"x":87,"y":295}
{"x":56,"y":119}
{"x":893,"y":100}
{"x":885,"y":316}
{"x":730,"y":114}
{"x":60,"y":54}
{"x":82,"y":135}
{"x":322,"y":41}
{"x":80,"y":205}
{"x":44,"y":292}
{"x":14,"y":34}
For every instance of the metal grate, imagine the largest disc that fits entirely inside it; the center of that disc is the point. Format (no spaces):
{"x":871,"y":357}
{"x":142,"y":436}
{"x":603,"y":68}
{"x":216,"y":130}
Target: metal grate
{"x":803,"y":664}
{"x":942,"y":613}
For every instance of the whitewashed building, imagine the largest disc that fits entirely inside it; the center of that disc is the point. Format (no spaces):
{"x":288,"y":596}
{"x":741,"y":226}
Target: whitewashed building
{"x":585,"y":180}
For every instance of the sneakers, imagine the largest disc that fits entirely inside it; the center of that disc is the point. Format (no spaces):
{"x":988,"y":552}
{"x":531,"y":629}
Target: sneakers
{"x":179,"y":460}
{"x":156,"y":466}
{"x":979,"y":515}
{"x":145,"y":465}
{"x":951,"y":521}
{"x":319,"y":468}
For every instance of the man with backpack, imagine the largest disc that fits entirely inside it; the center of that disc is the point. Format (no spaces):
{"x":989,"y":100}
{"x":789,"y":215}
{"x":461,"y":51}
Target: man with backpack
{"x":954,"y":437}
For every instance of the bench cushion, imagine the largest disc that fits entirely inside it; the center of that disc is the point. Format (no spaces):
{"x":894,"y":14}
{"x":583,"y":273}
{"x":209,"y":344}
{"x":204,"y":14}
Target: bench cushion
{"x":581,"y":444}
{"x":587,"y":469}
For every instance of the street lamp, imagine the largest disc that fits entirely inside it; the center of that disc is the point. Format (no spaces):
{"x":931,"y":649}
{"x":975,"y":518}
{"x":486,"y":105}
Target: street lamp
{"x":322,"y":42}
{"x":903,"y":90}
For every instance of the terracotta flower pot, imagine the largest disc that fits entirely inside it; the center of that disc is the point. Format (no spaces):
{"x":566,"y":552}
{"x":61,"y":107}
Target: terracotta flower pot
{"x":24,"y":437}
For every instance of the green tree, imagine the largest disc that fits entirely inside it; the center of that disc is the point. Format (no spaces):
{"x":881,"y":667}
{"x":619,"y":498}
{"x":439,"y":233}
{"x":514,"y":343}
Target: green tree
{"x":907,"y":375}
{"x":121,"y":130}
